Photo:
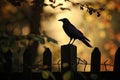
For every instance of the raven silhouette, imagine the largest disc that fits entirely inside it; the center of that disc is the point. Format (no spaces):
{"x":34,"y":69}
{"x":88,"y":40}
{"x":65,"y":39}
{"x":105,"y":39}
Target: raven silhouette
{"x":73,"y":32}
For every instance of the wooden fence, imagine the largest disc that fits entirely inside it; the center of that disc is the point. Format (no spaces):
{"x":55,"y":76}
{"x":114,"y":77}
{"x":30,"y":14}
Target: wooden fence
{"x":68,"y":60}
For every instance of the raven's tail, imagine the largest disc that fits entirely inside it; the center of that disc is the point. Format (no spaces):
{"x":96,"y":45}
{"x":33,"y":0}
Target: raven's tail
{"x":86,"y":43}
{"x":87,"y":39}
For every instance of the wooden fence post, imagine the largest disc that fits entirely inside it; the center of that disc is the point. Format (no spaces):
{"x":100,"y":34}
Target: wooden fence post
{"x":95,"y":61}
{"x":117,"y":61}
{"x":8,"y":64}
{"x":68,"y":60}
{"x":47,"y":59}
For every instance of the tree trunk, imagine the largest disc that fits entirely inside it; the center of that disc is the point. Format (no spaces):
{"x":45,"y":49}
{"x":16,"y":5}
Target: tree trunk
{"x":35,"y":27}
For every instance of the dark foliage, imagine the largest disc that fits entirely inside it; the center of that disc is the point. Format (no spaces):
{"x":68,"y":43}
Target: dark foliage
{"x":90,"y":10}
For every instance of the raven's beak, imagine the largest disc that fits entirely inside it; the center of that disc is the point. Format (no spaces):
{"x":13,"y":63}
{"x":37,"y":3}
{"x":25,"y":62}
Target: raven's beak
{"x":60,"y":20}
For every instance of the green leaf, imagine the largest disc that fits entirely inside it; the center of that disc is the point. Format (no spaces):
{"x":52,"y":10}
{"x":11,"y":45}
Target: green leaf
{"x":49,"y":39}
{"x":37,"y":38}
{"x":42,"y":41}
{"x":45,"y":75}
{"x":67,"y":75}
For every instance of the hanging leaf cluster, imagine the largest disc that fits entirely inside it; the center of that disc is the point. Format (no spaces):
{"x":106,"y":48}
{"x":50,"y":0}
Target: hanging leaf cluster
{"x":91,"y":10}
{"x":40,"y":38}
{"x":49,"y":39}
{"x":8,"y":42}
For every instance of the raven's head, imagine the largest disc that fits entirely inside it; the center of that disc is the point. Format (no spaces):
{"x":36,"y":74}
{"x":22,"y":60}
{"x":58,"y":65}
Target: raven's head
{"x":63,"y":20}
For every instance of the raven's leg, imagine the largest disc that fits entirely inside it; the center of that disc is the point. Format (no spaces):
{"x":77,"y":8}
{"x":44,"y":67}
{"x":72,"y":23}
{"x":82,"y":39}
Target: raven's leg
{"x":73,"y":41}
{"x":70,"y":40}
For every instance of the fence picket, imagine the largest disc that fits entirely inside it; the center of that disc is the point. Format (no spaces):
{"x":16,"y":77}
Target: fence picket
{"x":117,"y":61}
{"x":95,"y":60}
{"x":47,"y":59}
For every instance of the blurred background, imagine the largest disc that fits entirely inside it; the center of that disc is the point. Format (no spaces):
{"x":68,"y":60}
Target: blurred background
{"x":102,"y":29}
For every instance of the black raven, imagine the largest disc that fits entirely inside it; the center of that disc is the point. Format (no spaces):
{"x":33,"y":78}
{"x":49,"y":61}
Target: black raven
{"x":73,"y":32}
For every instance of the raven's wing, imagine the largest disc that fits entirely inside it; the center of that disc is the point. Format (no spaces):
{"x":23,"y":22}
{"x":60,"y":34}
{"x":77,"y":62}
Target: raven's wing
{"x":77,"y":33}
